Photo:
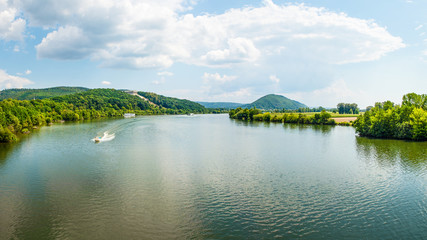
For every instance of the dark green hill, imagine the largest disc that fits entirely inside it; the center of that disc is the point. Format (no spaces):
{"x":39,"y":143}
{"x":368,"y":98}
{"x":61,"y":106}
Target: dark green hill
{"x":173,"y":103}
{"x":225,"y":105}
{"x":272,"y":101}
{"x":99,"y":99}
{"x":28,"y":94}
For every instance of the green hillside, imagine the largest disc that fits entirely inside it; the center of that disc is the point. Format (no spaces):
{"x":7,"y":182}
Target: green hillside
{"x":173,"y":103}
{"x":225,"y":105}
{"x":21,"y":116}
{"x":28,"y":94}
{"x":272,"y":101}
{"x":99,"y":99}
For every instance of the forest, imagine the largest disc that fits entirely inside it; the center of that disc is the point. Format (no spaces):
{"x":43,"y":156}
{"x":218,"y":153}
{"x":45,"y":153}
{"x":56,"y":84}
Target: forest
{"x":388,"y":120}
{"x":22,"y":116}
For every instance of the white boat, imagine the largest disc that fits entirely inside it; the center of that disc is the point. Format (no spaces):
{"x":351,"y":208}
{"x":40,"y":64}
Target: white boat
{"x":129,"y":115}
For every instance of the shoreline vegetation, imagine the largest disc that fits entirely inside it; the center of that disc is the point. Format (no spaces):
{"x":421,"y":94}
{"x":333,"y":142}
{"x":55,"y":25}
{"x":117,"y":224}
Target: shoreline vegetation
{"x":19,"y":117}
{"x":314,"y":118}
{"x":407,"y":121}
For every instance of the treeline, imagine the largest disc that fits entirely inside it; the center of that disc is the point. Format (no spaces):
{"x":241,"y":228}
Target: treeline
{"x":322,"y":118}
{"x":29,"y":94}
{"x":387,"y":120}
{"x":347,"y":108}
{"x":183,"y":105}
{"x":21,"y":116}
{"x":342,"y":108}
{"x":303,"y":110}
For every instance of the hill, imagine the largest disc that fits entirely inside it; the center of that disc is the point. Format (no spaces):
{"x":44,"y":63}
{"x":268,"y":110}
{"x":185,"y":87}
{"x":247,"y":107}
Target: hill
{"x":173,"y":103}
{"x":272,"y":101}
{"x":224,"y":105}
{"x":100,"y":99}
{"x":29,"y":94}
{"x":21,"y":116}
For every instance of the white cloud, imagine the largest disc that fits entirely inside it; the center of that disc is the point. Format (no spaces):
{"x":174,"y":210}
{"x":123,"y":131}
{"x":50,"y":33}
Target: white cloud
{"x":274,"y":79}
{"x":419,"y":27}
{"x":166,"y":74}
{"x":67,"y":42}
{"x":160,"y":81}
{"x":216,"y":86}
{"x":240,"y":95}
{"x":217,"y":78}
{"x":9,"y":81}
{"x":239,"y":50}
{"x":27,"y":72}
{"x":329,"y":96}
{"x":12,"y":27}
{"x":106,"y":83}
{"x":153,"y":34}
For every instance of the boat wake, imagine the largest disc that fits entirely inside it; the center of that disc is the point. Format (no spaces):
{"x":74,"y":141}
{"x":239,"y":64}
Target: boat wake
{"x":105,"y":138}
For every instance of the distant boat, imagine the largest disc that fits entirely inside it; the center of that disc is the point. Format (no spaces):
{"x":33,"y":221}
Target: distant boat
{"x":190,"y":114}
{"x":129,"y":115}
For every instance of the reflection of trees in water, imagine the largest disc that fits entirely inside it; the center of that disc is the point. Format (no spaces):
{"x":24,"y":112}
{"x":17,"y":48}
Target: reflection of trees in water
{"x":323,"y":129}
{"x":410,"y":155}
{"x":5,"y":150}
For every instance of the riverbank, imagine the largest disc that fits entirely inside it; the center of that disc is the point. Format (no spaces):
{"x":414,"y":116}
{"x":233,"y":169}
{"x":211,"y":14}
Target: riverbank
{"x":322,"y":118}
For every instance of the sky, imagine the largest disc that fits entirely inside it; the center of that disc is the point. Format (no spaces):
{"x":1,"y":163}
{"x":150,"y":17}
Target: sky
{"x":317,"y":52}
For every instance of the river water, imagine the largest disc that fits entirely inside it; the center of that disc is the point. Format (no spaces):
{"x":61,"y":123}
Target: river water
{"x":209,"y":177}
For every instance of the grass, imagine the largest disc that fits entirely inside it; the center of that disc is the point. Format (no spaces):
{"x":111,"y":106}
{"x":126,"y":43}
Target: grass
{"x":333,"y":115}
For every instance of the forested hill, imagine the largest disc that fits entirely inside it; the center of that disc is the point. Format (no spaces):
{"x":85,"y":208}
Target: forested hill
{"x":173,"y":103}
{"x":28,"y":94}
{"x":272,"y":101}
{"x":21,"y":116}
{"x":99,"y":99}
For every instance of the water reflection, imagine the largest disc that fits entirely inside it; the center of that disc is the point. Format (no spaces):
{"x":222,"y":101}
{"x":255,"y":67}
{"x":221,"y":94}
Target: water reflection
{"x":411,"y":156}
{"x":5,"y":151}
{"x":323,"y":129}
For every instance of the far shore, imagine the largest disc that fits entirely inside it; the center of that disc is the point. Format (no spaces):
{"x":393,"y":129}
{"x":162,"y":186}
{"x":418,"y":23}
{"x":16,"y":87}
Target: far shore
{"x":344,"y":119}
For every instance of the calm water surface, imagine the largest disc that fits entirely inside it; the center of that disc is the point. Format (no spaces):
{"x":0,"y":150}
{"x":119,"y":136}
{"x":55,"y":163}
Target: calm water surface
{"x":209,"y":177}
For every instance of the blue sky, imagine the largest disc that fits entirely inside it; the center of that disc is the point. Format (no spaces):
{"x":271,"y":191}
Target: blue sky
{"x":317,"y":52}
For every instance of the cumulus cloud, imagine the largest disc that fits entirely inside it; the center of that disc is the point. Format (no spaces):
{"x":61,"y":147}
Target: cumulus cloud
{"x":9,"y":81}
{"x":239,"y":50}
{"x":160,"y":81}
{"x":166,"y":74}
{"x":67,"y":42}
{"x":274,"y":79}
{"x":12,"y":27}
{"x":106,"y":82}
{"x":217,"y":78}
{"x":216,"y":86}
{"x":153,"y":34}
{"x":27,"y":72}
{"x":337,"y":91}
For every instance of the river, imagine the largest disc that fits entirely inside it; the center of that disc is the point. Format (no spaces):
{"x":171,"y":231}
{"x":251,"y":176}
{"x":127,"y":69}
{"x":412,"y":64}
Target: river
{"x":209,"y":177}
